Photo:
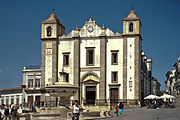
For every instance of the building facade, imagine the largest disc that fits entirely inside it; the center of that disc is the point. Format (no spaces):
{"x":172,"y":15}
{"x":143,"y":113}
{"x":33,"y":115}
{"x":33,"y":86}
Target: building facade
{"x":177,"y":76}
{"x":12,"y":95}
{"x":170,"y":82}
{"x":92,"y":64}
{"x":156,"y":87}
{"x":31,"y":86}
{"x":106,"y":67}
{"x":173,"y":79}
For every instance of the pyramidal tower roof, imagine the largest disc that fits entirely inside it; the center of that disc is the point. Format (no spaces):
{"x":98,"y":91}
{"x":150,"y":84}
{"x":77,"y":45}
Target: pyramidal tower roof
{"x":132,"y":16}
{"x":53,"y":19}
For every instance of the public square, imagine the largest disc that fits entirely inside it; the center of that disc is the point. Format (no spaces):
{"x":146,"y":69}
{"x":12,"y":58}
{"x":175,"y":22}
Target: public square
{"x":148,"y":114}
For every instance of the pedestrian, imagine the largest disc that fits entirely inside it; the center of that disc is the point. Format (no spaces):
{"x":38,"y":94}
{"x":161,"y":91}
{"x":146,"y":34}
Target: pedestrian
{"x":1,"y":113}
{"x":121,"y":106}
{"x":117,"y":110}
{"x":139,"y":103}
{"x":154,"y":104}
{"x":75,"y":110}
{"x":6,"y":112}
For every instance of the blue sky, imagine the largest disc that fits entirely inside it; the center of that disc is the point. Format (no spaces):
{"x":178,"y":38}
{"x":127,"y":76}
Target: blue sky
{"x":20,"y":22}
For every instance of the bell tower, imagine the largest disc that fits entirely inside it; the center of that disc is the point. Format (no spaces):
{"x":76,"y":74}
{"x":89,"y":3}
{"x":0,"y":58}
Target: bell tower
{"x":131,"y":24}
{"x":51,"y":29}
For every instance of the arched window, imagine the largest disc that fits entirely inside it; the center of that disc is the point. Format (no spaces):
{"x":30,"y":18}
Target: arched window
{"x":130,"y":27}
{"x":48,"y":30}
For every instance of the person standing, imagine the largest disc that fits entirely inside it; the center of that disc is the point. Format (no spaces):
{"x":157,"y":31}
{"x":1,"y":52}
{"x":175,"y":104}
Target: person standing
{"x":154,"y":104}
{"x":6,"y":112}
{"x":75,"y":110}
{"x":121,"y":106}
{"x":139,"y":103}
{"x":1,"y":113}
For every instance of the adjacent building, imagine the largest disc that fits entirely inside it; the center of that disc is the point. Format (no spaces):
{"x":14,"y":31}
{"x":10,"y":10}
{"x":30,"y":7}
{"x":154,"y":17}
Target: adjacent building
{"x":11,"y":95}
{"x":177,"y":75}
{"x":173,"y":79}
{"x":156,"y":87}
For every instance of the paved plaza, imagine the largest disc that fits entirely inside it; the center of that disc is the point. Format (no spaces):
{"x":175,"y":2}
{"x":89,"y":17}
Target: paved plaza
{"x":148,"y":114}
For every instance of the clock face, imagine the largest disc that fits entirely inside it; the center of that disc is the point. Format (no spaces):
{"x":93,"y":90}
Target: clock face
{"x":90,"y":29}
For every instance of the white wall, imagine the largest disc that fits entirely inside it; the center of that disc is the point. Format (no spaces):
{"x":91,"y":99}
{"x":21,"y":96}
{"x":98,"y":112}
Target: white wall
{"x":90,"y":43}
{"x":9,"y":95}
{"x":114,"y":44}
{"x":66,"y":46}
{"x":130,"y":67}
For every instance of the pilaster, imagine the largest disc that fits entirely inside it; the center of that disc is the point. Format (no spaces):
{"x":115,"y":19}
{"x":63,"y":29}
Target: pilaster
{"x":124,"y":68}
{"x":102,"y":84}
{"x":77,"y":67}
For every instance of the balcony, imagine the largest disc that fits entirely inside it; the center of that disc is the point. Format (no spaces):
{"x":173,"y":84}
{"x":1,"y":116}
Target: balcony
{"x":32,"y":67}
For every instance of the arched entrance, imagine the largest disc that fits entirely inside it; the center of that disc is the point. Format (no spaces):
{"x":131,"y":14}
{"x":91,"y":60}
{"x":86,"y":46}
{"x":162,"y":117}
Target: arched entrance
{"x":90,"y":88}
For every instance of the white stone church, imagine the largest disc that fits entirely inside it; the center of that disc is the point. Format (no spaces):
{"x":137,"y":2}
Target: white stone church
{"x":91,"y":64}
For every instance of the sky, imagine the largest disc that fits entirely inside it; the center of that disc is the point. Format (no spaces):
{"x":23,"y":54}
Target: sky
{"x":20,"y":22}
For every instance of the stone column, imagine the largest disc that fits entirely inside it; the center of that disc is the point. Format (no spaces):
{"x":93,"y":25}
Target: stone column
{"x":102,"y":84}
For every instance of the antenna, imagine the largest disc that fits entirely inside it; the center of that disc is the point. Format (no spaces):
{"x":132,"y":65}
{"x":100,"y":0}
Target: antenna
{"x":53,"y":10}
{"x":132,"y":5}
{"x":90,"y":15}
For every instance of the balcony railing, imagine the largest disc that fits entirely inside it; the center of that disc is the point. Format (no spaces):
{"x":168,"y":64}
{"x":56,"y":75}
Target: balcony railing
{"x":32,"y":67}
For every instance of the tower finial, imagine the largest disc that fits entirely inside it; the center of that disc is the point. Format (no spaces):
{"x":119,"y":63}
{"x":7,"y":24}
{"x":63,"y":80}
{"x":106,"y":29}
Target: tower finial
{"x":132,"y":7}
{"x":53,"y":10}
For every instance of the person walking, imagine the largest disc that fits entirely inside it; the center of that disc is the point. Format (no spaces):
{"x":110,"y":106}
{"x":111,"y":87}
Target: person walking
{"x":117,"y":110}
{"x":121,"y":106}
{"x":75,"y":110}
{"x":154,"y":104}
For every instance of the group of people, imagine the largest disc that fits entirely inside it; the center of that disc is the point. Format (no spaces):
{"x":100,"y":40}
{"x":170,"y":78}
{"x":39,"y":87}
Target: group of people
{"x":119,"y":109}
{"x":7,"y":112}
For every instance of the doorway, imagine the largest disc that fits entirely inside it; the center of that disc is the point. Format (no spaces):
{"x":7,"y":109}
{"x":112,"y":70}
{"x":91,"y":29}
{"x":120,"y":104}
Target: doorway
{"x":30,"y":100}
{"x":37,"y":100}
{"x":90,"y":95}
{"x":114,"y":95}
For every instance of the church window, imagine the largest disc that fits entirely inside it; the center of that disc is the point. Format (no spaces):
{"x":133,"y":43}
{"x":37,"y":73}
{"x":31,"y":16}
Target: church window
{"x":49,"y":30}
{"x":114,"y":57}
{"x":65,"y":59}
{"x":90,"y":56}
{"x":130,"y":27}
{"x":114,"y":76}
{"x":130,"y":84}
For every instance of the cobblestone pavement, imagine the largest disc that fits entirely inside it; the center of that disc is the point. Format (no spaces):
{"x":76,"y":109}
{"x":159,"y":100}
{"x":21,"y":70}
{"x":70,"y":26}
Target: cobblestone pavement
{"x":148,"y":114}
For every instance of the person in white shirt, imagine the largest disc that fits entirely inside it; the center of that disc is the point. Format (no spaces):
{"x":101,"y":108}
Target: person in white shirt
{"x":75,"y":110}
{"x":1,"y":113}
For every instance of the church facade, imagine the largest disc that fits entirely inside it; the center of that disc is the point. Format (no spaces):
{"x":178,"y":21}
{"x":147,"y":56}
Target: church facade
{"x":104,"y":66}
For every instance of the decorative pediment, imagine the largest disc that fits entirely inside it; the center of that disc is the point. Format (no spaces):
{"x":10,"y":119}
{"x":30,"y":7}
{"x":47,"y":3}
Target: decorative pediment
{"x":90,"y":29}
{"x":91,"y":78}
